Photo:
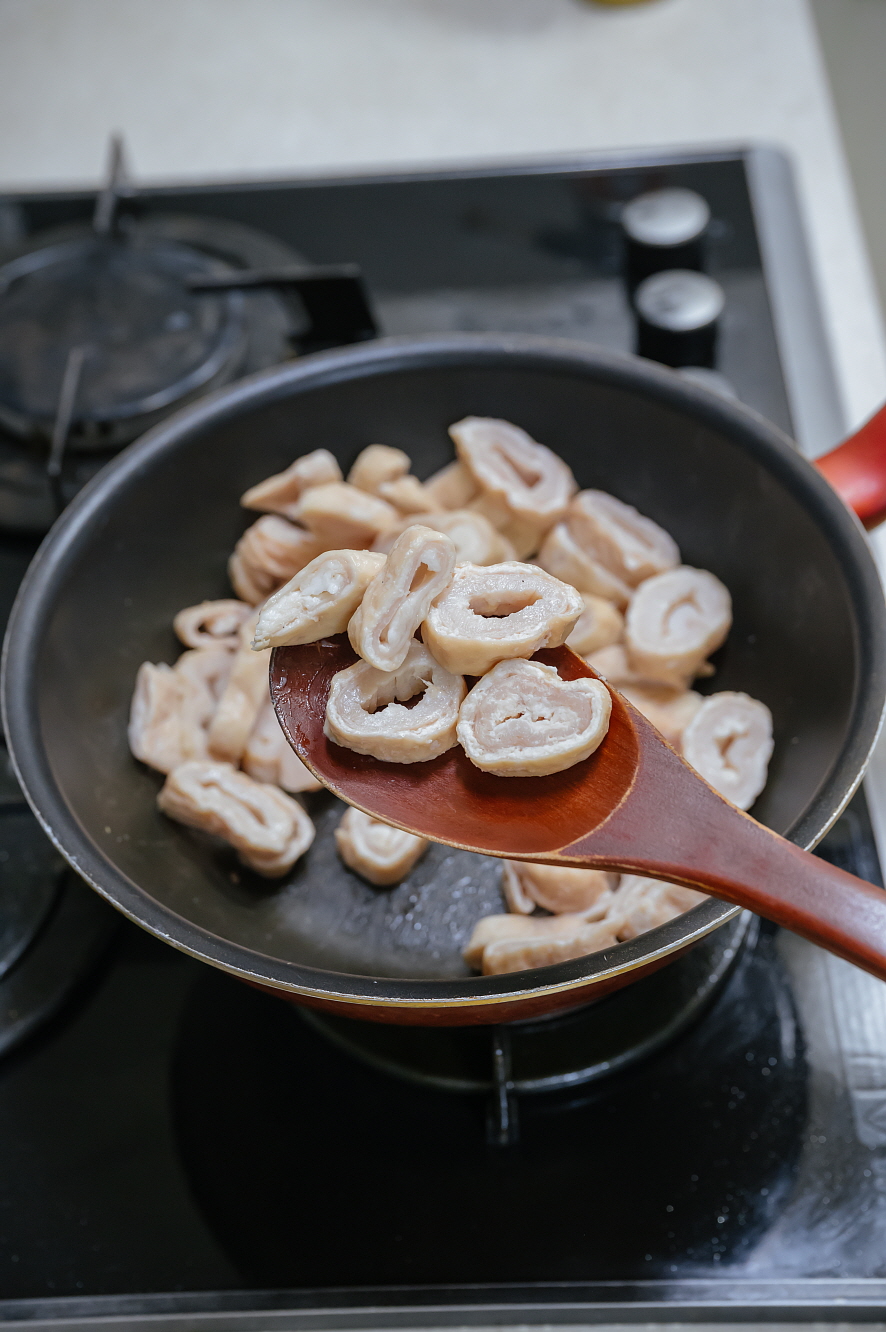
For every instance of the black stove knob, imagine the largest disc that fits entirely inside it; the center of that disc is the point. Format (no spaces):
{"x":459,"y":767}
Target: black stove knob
{"x":663,"y":229}
{"x":677,"y":313}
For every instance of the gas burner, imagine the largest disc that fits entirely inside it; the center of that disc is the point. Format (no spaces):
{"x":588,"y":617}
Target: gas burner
{"x":119,"y":309}
{"x":553,"y":1053}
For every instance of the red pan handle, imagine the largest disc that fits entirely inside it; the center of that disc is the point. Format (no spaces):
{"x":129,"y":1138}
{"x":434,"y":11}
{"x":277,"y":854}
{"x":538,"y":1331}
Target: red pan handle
{"x":857,"y":470}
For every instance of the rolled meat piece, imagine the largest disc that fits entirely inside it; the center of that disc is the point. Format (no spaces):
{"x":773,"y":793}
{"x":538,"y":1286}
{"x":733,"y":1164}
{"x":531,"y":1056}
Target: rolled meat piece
{"x":492,"y":613}
{"x":675,"y":620}
{"x":563,"y":557}
{"x":365,"y":711}
{"x":318,"y":601}
{"x":452,"y":487}
{"x":211,"y":624}
{"x":268,"y":829}
{"x":642,"y":904}
{"x":280,"y":493}
{"x":343,"y":516}
{"x":172,"y":707}
{"x":245,"y":693}
{"x":669,"y":710}
{"x":557,"y":888}
{"x":599,"y":625}
{"x":418,"y":569}
{"x":377,"y":464}
{"x":155,"y":718}
{"x":524,"y":487}
{"x":523,"y":720}
{"x":267,"y":555}
{"x":502,"y":944}
{"x":268,"y":756}
{"x":476,"y":541}
{"x":408,"y":495}
{"x":376,"y":851}
{"x":632,"y":547}
{"x":729,"y":743}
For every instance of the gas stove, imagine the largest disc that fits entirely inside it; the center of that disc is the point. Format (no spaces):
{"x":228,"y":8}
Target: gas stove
{"x":176,"y":1146}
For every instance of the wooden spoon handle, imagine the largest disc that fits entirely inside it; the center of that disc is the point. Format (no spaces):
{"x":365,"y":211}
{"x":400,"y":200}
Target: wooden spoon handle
{"x":698,"y":839}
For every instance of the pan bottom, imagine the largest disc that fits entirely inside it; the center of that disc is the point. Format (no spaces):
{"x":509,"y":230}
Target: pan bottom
{"x":559,"y":1050}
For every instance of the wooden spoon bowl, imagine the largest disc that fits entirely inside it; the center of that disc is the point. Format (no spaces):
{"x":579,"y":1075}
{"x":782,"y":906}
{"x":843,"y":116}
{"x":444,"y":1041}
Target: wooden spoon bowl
{"x":634,"y":806}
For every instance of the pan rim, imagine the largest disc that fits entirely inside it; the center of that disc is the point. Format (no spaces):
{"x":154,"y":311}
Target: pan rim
{"x":36,"y":597}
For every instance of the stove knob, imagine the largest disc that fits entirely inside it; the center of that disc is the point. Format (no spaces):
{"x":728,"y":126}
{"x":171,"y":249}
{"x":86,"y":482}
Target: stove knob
{"x":663,"y":229}
{"x":677,"y":315}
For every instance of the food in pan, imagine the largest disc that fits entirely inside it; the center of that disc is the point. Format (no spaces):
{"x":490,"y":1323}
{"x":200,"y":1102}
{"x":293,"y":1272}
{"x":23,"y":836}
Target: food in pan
{"x":383,"y":555}
{"x":523,"y":720}
{"x":380,"y":853}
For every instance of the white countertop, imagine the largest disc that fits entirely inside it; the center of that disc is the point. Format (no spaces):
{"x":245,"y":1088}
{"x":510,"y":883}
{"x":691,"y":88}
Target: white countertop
{"x":230,"y":89}
{"x":222,"y":89}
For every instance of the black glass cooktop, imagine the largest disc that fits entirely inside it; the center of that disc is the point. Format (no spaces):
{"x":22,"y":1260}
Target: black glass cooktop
{"x":174,"y":1143}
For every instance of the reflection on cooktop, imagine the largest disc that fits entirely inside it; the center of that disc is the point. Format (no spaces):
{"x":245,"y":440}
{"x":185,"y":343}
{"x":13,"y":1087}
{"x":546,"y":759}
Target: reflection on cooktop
{"x":312,"y":1169}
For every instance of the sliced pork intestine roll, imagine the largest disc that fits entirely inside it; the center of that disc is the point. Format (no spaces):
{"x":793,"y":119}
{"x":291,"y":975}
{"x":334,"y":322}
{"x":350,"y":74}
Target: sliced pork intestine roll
{"x":631,"y":546}
{"x":563,"y":557}
{"x":495,"y":612}
{"x":523,"y":486}
{"x":557,"y":888}
{"x":268,"y":554}
{"x":364,"y":710}
{"x":599,"y":625}
{"x":669,"y":710}
{"x":729,"y":742}
{"x":172,"y":707}
{"x":268,"y":756}
{"x":280,"y":493}
{"x":475,"y":539}
{"x":245,"y":693}
{"x":380,"y":853}
{"x":268,"y":829}
{"x":642,"y":904}
{"x":453,"y":487}
{"x":523,"y":720}
{"x":501,"y":944}
{"x":408,"y":495}
{"x":319,"y":600}
{"x":418,"y":569}
{"x":675,"y":620}
{"x":344,"y":516}
{"x":376,"y":465}
{"x":211,"y":624}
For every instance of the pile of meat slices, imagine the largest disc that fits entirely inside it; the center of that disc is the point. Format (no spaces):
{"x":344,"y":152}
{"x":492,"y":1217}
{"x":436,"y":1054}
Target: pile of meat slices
{"x":494,"y":557}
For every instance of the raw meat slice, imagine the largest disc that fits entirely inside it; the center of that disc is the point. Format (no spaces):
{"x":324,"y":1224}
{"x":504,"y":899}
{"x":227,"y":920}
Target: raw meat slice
{"x":418,"y":569}
{"x":211,"y":624}
{"x":343,"y":516}
{"x":267,"y":555}
{"x":523,"y":720}
{"x":268,"y":829}
{"x":599,"y":624}
{"x":365,"y":712}
{"x":246,"y":691}
{"x":621,"y":539}
{"x":563,"y":557}
{"x":280,"y":493}
{"x":729,"y":742}
{"x":642,"y":904}
{"x":669,"y":710}
{"x":524,"y":487}
{"x":452,"y":487}
{"x":557,"y":888}
{"x":675,"y":620}
{"x":491,"y":613}
{"x":380,"y":853}
{"x":268,"y":756}
{"x":319,"y":600}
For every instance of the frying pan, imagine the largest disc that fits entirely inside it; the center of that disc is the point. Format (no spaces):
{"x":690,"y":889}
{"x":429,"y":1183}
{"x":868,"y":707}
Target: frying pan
{"x":153,"y":531}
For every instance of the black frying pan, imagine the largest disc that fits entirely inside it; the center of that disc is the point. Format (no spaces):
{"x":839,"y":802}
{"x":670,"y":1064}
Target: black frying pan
{"x":153,"y":532}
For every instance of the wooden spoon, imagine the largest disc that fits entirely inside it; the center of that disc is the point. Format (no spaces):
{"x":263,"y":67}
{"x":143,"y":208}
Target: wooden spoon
{"x":633,"y":806}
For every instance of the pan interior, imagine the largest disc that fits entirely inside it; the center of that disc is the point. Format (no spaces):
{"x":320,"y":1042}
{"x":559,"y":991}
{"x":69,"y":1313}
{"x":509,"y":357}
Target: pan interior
{"x":162,"y":542}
